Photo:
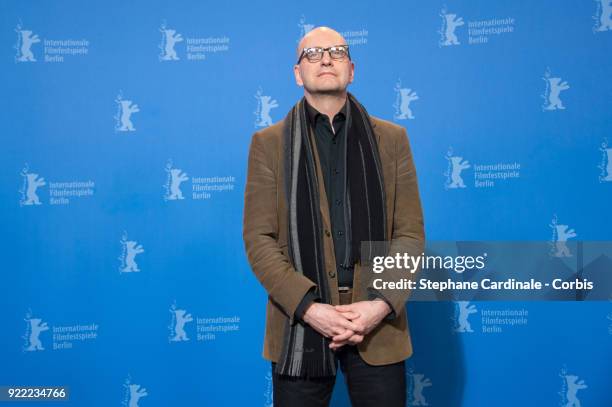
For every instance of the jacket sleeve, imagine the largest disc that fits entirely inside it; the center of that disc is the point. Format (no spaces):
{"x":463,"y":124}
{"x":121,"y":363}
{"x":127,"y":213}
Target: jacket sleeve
{"x":374,"y":294}
{"x":308,"y":299}
{"x":268,"y":260}
{"x":408,"y":232}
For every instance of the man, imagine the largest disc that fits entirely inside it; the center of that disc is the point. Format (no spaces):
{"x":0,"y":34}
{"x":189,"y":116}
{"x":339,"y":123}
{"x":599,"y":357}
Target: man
{"x":322,"y":182}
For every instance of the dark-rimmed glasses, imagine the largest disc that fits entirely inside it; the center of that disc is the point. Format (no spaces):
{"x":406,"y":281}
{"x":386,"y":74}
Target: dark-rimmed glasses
{"x":314,"y":54}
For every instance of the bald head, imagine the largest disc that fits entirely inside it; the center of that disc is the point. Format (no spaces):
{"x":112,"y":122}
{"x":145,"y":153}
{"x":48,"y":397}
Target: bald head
{"x":320,"y":36}
{"x":325,"y":76}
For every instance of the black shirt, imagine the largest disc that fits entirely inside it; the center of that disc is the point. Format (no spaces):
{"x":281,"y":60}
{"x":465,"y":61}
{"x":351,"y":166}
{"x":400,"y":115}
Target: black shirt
{"x":331,"y":156}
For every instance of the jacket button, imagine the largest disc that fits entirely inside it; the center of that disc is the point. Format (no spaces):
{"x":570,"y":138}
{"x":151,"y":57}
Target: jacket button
{"x":332,"y":274}
{"x":327,"y":233}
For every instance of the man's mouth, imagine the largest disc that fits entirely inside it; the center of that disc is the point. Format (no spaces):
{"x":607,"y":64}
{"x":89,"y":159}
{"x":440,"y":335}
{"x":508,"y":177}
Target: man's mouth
{"x":327,"y":73}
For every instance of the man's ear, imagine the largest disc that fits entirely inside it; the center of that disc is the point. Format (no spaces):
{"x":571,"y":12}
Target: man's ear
{"x":298,"y":75}
{"x":352,"y":74}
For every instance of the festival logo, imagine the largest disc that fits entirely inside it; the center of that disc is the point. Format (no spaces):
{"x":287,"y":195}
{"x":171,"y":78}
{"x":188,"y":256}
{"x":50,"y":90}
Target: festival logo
{"x":456,"y":165}
{"x":34,"y":327}
{"x":403,"y":98}
{"x":202,"y":188}
{"x":570,"y":386}
{"x":60,"y":192}
{"x":169,"y":39}
{"x":603,"y":16}
{"x":560,"y":235}
{"x":196,"y":47}
{"x":417,"y":383}
{"x":179,"y":318}
{"x":29,"y":188}
{"x":606,"y":162}
{"x":53,"y":50}
{"x":265,"y":104}
{"x":175,"y":177}
{"x":450,"y":22}
{"x":62,"y":336}
{"x":123,"y":117}
{"x":25,"y":40}
{"x":552,"y":92}
{"x":478,"y":31}
{"x":129,"y":250}
{"x":463,"y":310}
{"x":133,"y":393}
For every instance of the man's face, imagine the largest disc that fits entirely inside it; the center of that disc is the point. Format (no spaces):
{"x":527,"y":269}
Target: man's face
{"x":326,"y":76}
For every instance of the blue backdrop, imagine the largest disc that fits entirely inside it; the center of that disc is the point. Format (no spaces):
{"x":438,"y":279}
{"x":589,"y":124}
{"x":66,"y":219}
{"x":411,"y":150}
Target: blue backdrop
{"x":125,"y":130}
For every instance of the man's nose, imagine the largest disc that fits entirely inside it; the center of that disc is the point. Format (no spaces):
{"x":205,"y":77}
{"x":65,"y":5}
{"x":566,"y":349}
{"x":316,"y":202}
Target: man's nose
{"x":326,"y":58}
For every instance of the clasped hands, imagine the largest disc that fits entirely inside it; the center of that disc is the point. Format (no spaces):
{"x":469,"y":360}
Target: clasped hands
{"x":346,"y":324}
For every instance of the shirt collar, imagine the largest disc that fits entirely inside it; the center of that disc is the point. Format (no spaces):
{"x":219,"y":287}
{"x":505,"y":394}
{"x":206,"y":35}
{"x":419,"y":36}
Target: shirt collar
{"x":313,"y":113}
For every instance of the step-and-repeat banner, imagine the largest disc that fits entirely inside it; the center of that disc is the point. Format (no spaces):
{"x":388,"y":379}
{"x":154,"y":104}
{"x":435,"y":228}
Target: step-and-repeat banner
{"x":125,"y":131}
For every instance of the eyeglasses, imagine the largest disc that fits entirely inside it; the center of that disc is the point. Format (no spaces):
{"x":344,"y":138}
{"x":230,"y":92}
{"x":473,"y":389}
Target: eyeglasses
{"x":314,"y":54}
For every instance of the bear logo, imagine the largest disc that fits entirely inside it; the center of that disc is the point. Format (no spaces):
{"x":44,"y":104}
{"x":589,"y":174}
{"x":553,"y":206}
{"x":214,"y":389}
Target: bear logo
{"x":450,"y":22}
{"x":36,"y":327}
{"x":181,"y":318}
{"x":27,"y":39}
{"x":169,"y":40}
{"x":33,"y":182}
{"x":136,"y":393}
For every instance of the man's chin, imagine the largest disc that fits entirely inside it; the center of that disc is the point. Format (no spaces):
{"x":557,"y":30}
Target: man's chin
{"x":329,"y":91}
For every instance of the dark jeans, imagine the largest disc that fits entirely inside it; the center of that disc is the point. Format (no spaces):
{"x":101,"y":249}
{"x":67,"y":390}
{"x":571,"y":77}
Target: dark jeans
{"x":368,"y":386}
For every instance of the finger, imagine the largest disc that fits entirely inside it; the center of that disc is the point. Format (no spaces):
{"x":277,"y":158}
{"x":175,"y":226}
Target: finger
{"x":337,"y":330}
{"x":355,"y":339}
{"x":343,"y":336}
{"x":346,"y":324}
{"x":343,"y":308}
{"x":358,"y":327}
{"x":350,"y":314}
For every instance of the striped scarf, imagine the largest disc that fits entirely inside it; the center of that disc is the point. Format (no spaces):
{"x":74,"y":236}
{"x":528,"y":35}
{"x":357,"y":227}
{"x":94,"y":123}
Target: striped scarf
{"x":306,"y":352}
